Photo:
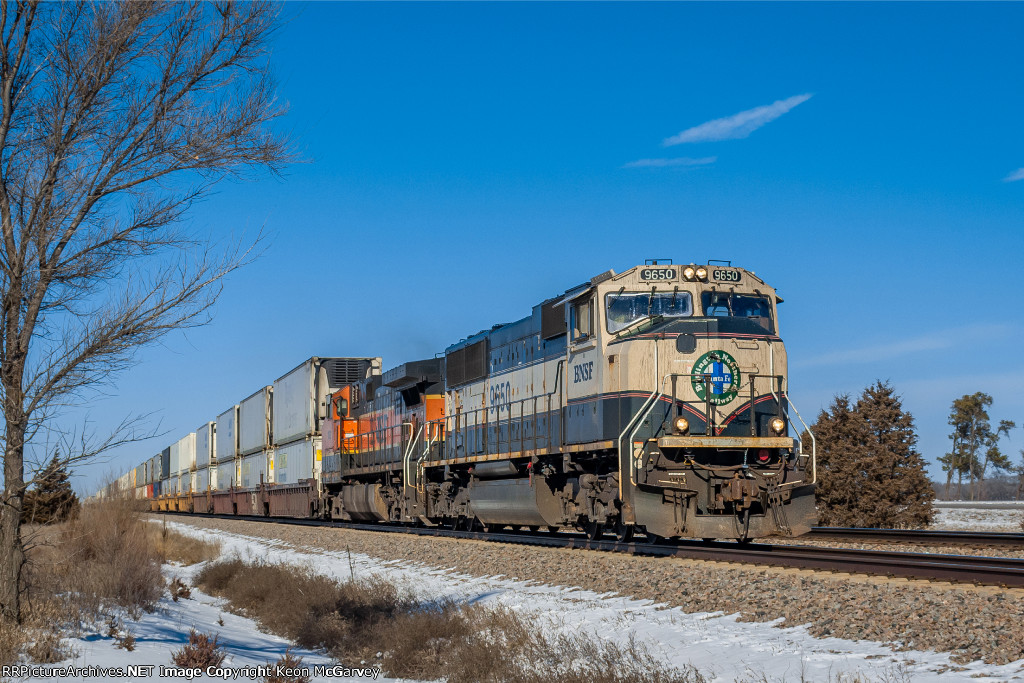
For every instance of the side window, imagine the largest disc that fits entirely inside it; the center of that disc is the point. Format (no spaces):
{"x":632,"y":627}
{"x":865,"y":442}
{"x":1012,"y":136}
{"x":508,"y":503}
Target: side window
{"x":583,"y":319}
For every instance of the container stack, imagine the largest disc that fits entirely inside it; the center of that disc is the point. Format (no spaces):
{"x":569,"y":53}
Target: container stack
{"x":226,"y":450}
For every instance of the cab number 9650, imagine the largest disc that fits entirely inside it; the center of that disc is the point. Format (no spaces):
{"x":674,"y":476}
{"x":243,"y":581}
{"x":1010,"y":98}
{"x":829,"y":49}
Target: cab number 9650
{"x":725,"y":275}
{"x":658,"y":274}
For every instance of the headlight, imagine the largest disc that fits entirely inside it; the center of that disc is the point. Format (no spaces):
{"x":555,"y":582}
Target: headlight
{"x":702,"y":273}
{"x":682,"y":425}
{"x":778,"y":425}
{"x":689,"y":272}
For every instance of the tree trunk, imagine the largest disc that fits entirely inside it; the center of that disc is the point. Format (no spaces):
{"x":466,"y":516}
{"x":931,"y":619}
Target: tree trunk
{"x":12,"y":552}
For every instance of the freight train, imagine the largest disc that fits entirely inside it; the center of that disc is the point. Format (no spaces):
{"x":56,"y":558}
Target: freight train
{"x":654,"y":400}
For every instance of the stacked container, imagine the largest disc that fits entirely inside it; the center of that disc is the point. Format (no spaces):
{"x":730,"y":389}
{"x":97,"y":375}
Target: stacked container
{"x":300,"y":405}
{"x":255,"y":437}
{"x":206,"y":440}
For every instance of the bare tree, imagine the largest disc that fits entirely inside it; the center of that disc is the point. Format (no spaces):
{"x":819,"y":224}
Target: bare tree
{"x":116,"y":118}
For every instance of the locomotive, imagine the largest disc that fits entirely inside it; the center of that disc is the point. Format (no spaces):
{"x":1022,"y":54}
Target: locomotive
{"x":653,"y":400}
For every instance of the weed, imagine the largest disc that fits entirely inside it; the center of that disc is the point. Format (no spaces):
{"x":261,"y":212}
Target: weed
{"x":287,"y":669}
{"x":179,"y":589}
{"x":200,"y":652}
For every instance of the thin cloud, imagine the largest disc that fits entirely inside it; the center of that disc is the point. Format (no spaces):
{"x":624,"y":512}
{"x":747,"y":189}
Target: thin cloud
{"x":738,"y":125}
{"x":1016,"y":175}
{"x":932,"y":342}
{"x":678,"y":161}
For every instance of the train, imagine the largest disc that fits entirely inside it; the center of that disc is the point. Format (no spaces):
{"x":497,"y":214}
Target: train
{"x":650,"y":401}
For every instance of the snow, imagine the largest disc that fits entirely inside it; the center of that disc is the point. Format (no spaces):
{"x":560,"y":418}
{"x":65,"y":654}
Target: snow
{"x":979,"y":516}
{"x":718,"y":645}
{"x":159,"y":634}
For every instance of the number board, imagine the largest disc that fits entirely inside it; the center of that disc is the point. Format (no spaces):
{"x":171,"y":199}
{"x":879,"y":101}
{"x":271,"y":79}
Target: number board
{"x":658,"y":274}
{"x":725,"y":275}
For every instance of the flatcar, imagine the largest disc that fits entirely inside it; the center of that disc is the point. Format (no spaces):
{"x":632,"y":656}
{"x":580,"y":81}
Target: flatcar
{"x":652,"y":400}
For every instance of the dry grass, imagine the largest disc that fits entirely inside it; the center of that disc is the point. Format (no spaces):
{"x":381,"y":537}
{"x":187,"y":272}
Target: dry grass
{"x":374,"y":622}
{"x":173,"y":547}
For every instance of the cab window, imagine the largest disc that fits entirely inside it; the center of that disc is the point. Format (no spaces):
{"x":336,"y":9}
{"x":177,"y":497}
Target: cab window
{"x":757,"y":309}
{"x":341,"y":407}
{"x":583,"y":319}
{"x":625,"y":308}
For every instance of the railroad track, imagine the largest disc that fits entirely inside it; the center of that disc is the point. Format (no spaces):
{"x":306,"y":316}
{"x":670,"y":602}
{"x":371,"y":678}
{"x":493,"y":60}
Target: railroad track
{"x":973,"y":539}
{"x":994,"y":571}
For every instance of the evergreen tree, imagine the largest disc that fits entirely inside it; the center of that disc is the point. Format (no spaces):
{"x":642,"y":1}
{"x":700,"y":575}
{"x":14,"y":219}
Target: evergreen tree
{"x":869,"y":471}
{"x":52,"y":500}
{"x":975,"y":444}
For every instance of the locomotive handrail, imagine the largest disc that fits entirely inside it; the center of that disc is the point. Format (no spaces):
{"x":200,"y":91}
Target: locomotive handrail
{"x":656,"y":396}
{"x":408,"y":452}
{"x":460,"y":415}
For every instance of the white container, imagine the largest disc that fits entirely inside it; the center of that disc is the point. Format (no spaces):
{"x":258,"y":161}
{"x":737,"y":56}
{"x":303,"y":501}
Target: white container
{"x":254,"y":422}
{"x":296,"y":461}
{"x":254,"y":467}
{"x":184,"y":483}
{"x":226,"y":444}
{"x":201,"y":480}
{"x":171,"y":487}
{"x":185,"y":447}
{"x":300,"y":401}
{"x":226,"y":474}
{"x":213,"y":477}
{"x":206,"y":439}
{"x":175,"y":459}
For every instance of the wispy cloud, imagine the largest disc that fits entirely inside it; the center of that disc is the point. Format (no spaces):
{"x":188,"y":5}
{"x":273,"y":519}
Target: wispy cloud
{"x":1016,"y":175}
{"x":738,"y":125}
{"x":935,"y":341}
{"x":677,"y":161}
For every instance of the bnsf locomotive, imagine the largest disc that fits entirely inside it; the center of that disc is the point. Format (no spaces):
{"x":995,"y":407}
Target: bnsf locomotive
{"x":653,"y":400}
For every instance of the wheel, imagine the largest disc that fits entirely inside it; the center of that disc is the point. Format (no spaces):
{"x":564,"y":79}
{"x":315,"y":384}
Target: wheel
{"x":593,"y":529}
{"x":534,"y":529}
{"x":623,"y":531}
{"x":553,"y":530}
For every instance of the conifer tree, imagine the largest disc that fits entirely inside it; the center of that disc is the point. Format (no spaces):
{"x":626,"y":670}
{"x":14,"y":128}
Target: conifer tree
{"x":870,"y":473}
{"x":52,"y":500}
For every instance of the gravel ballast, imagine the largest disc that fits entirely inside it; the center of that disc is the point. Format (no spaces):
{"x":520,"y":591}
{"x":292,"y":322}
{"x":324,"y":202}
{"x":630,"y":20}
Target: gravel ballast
{"x":970,"y":622}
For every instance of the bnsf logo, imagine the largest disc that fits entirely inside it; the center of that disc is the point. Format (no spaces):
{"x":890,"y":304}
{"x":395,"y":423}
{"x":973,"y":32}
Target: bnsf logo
{"x":584,"y":372}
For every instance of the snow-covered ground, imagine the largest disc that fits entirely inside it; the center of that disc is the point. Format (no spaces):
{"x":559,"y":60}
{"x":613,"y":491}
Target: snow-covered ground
{"x":721,"y":647}
{"x":159,"y":634}
{"x":979,"y":516}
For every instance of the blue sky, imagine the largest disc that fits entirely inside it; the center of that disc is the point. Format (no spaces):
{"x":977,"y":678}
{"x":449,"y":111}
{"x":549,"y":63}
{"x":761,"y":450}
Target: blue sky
{"x":466,"y":161}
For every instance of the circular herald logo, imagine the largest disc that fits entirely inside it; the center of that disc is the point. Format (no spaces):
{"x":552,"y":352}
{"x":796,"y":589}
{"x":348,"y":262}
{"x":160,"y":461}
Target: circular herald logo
{"x":718,"y":371}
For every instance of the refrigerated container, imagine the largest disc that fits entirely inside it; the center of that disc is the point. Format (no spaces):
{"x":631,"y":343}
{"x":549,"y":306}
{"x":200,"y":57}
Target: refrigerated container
{"x":213,"y":477}
{"x":227,"y":434}
{"x":226,"y":474}
{"x":254,"y":470}
{"x":301,"y":395}
{"x":187,"y":453}
{"x":206,"y":440}
{"x":296,"y":461}
{"x":254,"y":422}
{"x":201,"y":480}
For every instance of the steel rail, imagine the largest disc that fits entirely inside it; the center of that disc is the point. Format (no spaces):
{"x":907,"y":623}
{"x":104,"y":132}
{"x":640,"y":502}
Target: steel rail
{"x":996,"y":571}
{"x":983,"y":539}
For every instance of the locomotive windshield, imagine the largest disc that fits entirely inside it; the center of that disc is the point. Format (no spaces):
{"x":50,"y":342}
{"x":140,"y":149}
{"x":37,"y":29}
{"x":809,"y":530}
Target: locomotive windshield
{"x":624,"y":309}
{"x":757,"y":309}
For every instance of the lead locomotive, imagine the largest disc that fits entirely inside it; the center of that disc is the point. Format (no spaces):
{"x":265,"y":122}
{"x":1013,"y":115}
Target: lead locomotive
{"x":653,"y":400}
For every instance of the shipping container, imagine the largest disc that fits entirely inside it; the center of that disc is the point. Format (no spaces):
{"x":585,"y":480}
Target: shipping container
{"x":226,"y":474}
{"x":170,"y":486}
{"x":158,"y":489}
{"x":296,"y":461}
{"x":213,"y":477}
{"x":227,"y":434}
{"x":184,"y":483}
{"x":254,"y":470}
{"x":301,"y":396}
{"x":201,"y":480}
{"x":186,"y":453}
{"x":206,"y":439}
{"x":175,"y":449}
{"x":254,"y":422}
{"x":165,"y":463}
